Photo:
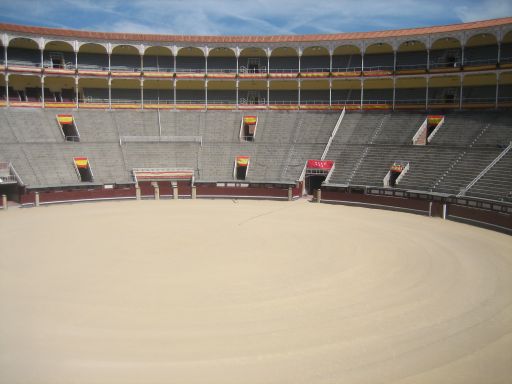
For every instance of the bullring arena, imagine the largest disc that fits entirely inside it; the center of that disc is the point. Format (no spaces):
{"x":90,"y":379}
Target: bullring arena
{"x":256,"y":209}
{"x":229,"y":291}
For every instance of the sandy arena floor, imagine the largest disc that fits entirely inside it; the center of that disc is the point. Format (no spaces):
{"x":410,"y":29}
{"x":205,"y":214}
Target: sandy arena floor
{"x":250,"y":292}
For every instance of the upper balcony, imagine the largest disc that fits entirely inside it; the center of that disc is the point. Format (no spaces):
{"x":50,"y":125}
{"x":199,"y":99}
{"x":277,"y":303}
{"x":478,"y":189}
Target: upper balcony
{"x":478,"y":46}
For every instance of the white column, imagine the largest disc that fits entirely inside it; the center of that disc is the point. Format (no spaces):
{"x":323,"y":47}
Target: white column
{"x":206,"y":94}
{"x":42,"y":58}
{"x":142,"y":63}
{"x":394,"y":92}
{"x":268,"y":93}
{"x":426,"y":95}
{"x":236,"y":87}
{"x":497,"y":91}
{"x":109,"y":61}
{"x":7,"y":90}
{"x":76,"y":60}
{"x":142,"y":93}
{"x":174,"y":57}
{"x":394,"y":61}
{"x":499,"y":53}
{"x":330,"y":62}
{"x":460,"y":95}
{"x":174,"y":89}
{"x":428,"y":60}
{"x":298,"y":91}
{"x":206,"y":64}
{"x":362,"y":93}
{"x":462,"y":57}
{"x":76,"y":92}
{"x":42,"y":90}
{"x":300,"y":54}
{"x":109,"y":92}
{"x":330,"y":92}
{"x":237,"y":70}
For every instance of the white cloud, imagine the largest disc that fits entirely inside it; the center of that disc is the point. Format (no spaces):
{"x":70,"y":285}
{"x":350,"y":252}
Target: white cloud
{"x":217,"y":17}
{"x":487,"y":9}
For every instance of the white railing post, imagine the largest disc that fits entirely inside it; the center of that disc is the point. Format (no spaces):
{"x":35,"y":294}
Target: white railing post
{"x":486,"y":169}
{"x":331,"y":138}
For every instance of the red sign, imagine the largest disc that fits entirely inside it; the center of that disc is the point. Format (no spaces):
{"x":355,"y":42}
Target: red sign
{"x":320,"y":164}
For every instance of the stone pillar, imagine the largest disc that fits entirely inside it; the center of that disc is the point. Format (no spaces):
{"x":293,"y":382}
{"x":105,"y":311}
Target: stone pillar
{"x":4,"y":201}
{"x":175,"y":190}
{"x":137,"y":192}
{"x":37,"y":199}
{"x":318,"y":195}
{"x":194,"y":192}
{"x":290,"y":193}
{"x":444,"y":211}
{"x":157,"y":191}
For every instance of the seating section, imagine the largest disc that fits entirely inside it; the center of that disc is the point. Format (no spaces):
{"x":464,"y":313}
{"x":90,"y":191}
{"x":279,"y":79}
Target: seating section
{"x":364,"y":148}
{"x":497,"y":182}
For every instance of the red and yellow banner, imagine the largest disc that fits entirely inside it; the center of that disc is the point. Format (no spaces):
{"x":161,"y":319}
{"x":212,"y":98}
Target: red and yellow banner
{"x":250,"y":120}
{"x":434,"y":119}
{"x":320,"y":164}
{"x":81,"y":162}
{"x":242,"y":161}
{"x":397,"y":168}
{"x":65,"y":119}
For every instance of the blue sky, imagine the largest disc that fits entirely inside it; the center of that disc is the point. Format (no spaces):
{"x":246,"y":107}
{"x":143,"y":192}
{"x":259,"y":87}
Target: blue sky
{"x":256,"y":17}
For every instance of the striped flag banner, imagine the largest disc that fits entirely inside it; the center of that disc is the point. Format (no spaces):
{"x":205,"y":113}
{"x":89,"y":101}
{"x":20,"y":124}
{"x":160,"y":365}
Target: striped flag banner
{"x":81,"y":162}
{"x":65,"y":119}
{"x":242,"y":161}
{"x":250,"y":120}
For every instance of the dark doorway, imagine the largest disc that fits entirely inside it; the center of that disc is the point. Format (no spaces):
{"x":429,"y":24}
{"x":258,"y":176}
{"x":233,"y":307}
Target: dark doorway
{"x":392,"y":178}
{"x":241,"y":172}
{"x":12,"y":191}
{"x":248,"y":132}
{"x":85,"y":175}
{"x":314,"y":182}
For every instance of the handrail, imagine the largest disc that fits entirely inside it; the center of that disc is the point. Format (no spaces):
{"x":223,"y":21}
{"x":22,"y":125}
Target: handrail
{"x":485,"y":170}
{"x":334,"y":131}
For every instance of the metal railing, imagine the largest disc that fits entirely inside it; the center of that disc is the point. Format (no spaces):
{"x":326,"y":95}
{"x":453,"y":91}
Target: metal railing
{"x":213,"y":101}
{"x":455,"y":100}
{"x":410,"y":101}
{"x":50,"y":65}
{"x":158,"y":101}
{"x":244,"y":100}
{"x":23,"y":63}
{"x":326,"y":70}
{"x":456,"y":64}
{"x":347,"y":69}
{"x":480,"y":62}
{"x":314,"y":101}
{"x":8,"y":179}
{"x":158,"y":69}
{"x":477,"y":100}
{"x":284,"y":70}
{"x":411,"y":66}
{"x":378,"y":68}
{"x":92,"y":67}
{"x":190,"y":70}
{"x":260,"y":70}
{"x":124,"y":68}
{"x":222,"y":70}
